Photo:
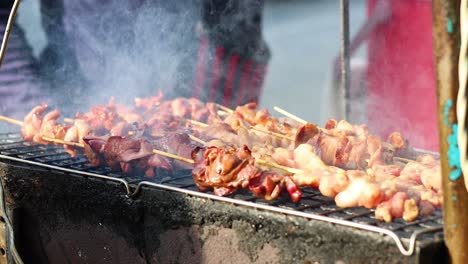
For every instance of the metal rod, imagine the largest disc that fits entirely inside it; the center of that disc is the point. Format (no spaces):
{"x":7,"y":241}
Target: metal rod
{"x":9,"y":25}
{"x":446,"y":36}
{"x":345,"y":55}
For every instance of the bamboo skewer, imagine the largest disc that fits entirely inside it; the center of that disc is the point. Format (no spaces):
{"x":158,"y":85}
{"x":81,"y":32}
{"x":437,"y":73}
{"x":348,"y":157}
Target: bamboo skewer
{"x":195,"y":122}
{"x":287,"y":114}
{"x":155,"y":151}
{"x":63,"y":142}
{"x":75,"y":144}
{"x":169,"y":155}
{"x":228,"y":111}
{"x":400,"y":159}
{"x":131,"y":133}
{"x":198,"y":123}
{"x":222,"y":113}
{"x":162,"y":135}
{"x":222,"y":107}
{"x":272,"y":133}
{"x":198,"y":140}
{"x":194,"y":138}
{"x":11,"y":120}
{"x":277,"y":166}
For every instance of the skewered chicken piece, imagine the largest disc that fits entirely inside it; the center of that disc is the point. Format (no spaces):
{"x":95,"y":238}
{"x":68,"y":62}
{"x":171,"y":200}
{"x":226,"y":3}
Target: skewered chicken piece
{"x":76,"y":133}
{"x":261,"y":120}
{"x":327,"y":156}
{"x":348,"y":146}
{"x":328,"y":179}
{"x":382,"y":188}
{"x":332,"y":180}
{"x":36,"y":125}
{"x":114,"y":119}
{"x":426,"y":170}
{"x":229,"y":169}
{"x":181,"y":108}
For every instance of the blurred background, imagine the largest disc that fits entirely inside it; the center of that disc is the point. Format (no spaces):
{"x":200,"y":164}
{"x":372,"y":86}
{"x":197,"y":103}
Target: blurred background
{"x":392,"y":71}
{"x":303,"y":36}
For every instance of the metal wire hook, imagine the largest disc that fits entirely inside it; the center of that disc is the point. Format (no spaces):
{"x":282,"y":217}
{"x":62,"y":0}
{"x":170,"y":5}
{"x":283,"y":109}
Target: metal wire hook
{"x":9,"y":25}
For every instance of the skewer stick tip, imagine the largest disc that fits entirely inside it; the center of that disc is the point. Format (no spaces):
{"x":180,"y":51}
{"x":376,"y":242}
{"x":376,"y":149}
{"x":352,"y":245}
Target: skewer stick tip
{"x":68,"y":120}
{"x":288,"y":114}
{"x":222,"y":113}
{"x":403,"y":160}
{"x":222,"y":107}
{"x":277,"y":166}
{"x":169,"y":155}
{"x":196,"y":139}
{"x":12,"y":121}
{"x":273,"y":133}
{"x":198,"y":123}
{"x":63,"y":142}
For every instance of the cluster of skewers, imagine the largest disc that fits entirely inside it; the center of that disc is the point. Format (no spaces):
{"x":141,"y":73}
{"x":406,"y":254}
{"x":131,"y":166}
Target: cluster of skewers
{"x":246,"y":148}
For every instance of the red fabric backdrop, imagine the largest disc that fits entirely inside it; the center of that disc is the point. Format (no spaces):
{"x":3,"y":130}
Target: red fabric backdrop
{"x":401,"y":78}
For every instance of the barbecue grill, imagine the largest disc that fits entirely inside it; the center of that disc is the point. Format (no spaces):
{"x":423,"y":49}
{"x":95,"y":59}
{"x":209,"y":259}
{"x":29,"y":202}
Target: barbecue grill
{"x":55,"y":208}
{"x":46,"y":185}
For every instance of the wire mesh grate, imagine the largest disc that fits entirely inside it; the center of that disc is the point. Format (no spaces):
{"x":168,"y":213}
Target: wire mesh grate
{"x":312,"y":205}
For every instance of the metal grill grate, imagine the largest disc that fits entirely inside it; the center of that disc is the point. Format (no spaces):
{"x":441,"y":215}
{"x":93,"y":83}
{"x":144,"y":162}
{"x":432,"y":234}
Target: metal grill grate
{"x":15,"y":151}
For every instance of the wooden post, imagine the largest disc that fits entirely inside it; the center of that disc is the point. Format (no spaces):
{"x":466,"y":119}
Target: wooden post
{"x":446,"y":33}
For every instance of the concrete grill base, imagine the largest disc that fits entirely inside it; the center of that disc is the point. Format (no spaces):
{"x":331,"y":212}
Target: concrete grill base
{"x":61,"y":218}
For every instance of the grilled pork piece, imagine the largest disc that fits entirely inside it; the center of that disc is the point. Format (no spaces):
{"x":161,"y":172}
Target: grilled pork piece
{"x":126,"y":154}
{"x":103,"y":119}
{"x":76,"y":133}
{"x":342,"y":160}
{"x":149,"y":103}
{"x":32,"y":123}
{"x":394,"y":207}
{"x":344,"y":145}
{"x":229,"y":169}
{"x":249,"y":116}
{"x":395,"y":191}
{"x":180,"y":108}
{"x":36,"y":125}
{"x":177,"y":143}
{"x":426,"y":170}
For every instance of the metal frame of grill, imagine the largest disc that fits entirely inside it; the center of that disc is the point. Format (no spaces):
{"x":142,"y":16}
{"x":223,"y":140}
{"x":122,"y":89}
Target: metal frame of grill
{"x":14,"y":150}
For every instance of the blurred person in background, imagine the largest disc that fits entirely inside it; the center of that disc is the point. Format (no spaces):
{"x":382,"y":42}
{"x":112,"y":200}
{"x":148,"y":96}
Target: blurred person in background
{"x":209,"y":49}
{"x":20,"y":86}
